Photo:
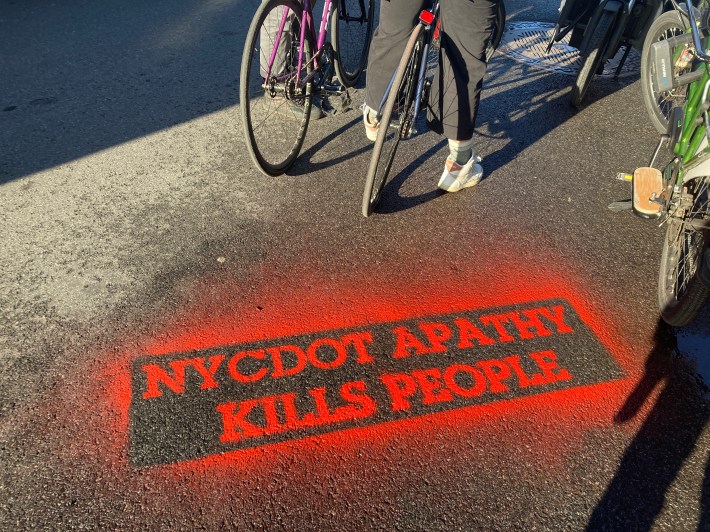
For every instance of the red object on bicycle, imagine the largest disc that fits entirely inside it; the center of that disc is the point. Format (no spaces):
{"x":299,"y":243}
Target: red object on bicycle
{"x":437,"y":29}
{"x":427,"y":17}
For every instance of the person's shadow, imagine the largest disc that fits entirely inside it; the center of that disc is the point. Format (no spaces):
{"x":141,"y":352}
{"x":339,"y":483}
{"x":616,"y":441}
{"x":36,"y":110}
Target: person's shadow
{"x":636,"y":495}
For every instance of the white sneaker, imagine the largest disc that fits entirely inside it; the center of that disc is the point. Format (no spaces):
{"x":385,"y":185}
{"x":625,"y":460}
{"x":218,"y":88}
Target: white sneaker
{"x":371,"y":128}
{"x":456,"y":177}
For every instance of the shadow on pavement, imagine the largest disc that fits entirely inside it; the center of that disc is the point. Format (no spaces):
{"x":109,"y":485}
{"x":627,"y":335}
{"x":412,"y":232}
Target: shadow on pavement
{"x":668,"y":436}
{"x":79,"y":77}
{"x":304,"y":164}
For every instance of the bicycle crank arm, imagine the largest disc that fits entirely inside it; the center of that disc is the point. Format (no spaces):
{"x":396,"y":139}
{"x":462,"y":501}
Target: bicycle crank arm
{"x":334,"y":89}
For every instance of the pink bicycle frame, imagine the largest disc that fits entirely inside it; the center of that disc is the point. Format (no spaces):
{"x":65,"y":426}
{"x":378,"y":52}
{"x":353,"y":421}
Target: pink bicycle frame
{"x":306,"y":26}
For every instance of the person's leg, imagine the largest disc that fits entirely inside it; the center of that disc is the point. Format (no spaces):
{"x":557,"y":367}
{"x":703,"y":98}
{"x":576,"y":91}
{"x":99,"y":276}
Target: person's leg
{"x":397,"y":18}
{"x":466,"y":26}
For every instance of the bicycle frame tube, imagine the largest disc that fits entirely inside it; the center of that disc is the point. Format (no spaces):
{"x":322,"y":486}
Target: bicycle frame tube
{"x":306,"y":25}
{"x":691,"y":148}
{"x":308,"y":21}
{"x":306,"y":33}
{"x":420,"y":81}
{"x":693,"y":133}
{"x":324,"y":24}
{"x":422,"y":67}
{"x":275,"y":49}
{"x":422,"y":73}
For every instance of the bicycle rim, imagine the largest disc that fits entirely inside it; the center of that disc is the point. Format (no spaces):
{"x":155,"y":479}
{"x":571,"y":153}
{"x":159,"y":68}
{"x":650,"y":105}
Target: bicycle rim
{"x":681,"y":293}
{"x":352,"y":32}
{"x":275,"y":112}
{"x":396,"y":122}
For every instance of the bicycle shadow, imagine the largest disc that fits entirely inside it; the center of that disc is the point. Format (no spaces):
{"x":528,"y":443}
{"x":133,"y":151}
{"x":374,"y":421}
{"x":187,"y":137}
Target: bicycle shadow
{"x":304,"y":164}
{"x":653,"y":460}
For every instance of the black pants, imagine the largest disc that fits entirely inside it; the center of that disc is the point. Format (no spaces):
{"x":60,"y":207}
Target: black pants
{"x":466,"y":26}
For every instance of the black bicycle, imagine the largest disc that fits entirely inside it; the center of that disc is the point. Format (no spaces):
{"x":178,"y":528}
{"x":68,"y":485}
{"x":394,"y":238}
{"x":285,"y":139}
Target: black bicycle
{"x":408,"y":92}
{"x":599,"y":29}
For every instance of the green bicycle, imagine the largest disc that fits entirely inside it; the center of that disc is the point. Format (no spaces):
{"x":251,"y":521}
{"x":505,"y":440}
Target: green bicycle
{"x":680,"y":194}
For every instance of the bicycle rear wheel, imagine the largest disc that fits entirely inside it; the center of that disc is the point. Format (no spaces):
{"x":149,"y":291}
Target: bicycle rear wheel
{"x":681,"y":292}
{"x":396,"y":122}
{"x":275,"y":111}
{"x":598,"y":43}
{"x":497,"y":31}
{"x":352,"y":31}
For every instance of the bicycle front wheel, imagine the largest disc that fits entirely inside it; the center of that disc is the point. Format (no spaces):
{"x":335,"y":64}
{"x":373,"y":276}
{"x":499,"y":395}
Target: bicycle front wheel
{"x":593,"y":60}
{"x":275,"y":103}
{"x":352,"y":32}
{"x":681,"y":292}
{"x":396,"y":122}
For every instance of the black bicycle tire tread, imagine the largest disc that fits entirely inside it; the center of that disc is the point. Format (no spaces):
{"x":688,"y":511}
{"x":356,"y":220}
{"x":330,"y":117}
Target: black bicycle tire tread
{"x":592,"y":59}
{"x":367,"y":206}
{"x":258,"y":160}
{"x":680,"y":312}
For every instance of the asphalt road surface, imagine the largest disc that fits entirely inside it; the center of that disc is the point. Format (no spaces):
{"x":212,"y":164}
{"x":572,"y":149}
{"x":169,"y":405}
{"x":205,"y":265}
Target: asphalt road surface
{"x":187,"y":344}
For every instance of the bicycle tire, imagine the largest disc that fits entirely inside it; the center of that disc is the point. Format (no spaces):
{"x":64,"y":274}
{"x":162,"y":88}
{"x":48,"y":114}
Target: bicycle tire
{"x":497,"y":31}
{"x":681,"y":292}
{"x":659,"y":105}
{"x":346,"y":45}
{"x":592,"y":60}
{"x":401,"y":95}
{"x":274,"y":147}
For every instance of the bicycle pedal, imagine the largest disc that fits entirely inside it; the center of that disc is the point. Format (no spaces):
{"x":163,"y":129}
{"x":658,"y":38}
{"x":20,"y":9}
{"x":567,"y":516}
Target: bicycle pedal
{"x":646,"y":187}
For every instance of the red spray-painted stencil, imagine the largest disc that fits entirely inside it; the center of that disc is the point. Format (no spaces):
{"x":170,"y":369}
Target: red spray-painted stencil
{"x":206,"y":402}
{"x":220,"y":310}
{"x":228,"y":311}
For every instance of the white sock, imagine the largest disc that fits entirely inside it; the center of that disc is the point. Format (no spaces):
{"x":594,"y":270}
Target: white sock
{"x":371,"y":115}
{"x":460,"y":151}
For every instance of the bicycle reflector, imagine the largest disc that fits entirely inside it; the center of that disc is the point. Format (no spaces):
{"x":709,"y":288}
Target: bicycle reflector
{"x":427,"y":17}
